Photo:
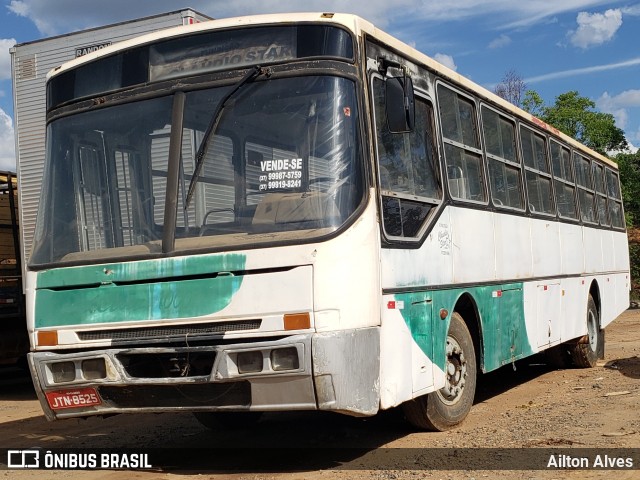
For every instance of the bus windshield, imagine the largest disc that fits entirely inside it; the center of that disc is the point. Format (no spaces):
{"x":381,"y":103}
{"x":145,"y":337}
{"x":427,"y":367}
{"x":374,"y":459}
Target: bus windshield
{"x":283,"y":164}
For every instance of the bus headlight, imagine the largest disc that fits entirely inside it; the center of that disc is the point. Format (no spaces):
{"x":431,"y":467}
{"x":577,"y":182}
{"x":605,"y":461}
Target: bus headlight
{"x":94,"y":369}
{"x":63,"y":372}
{"x":249,"y":362}
{"x":285,"y":359}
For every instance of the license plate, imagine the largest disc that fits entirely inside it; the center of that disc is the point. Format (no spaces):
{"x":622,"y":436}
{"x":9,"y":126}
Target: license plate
{"x":83,"y":397}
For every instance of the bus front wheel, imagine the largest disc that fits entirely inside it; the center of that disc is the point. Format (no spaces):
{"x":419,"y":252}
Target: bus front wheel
{"x":447,"y":407}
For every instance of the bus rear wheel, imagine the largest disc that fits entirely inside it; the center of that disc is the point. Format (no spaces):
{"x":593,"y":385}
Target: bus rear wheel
{"x":584,"y":354}
{"x":445,"y":408}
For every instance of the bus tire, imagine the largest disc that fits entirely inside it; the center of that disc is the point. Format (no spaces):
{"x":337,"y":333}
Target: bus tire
{"x":445,"y":408}
{"x":584,"y":354}
{"x":227,"y":420}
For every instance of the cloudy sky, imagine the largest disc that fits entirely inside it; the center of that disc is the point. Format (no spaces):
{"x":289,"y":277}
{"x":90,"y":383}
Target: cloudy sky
{"x":556,"y":46}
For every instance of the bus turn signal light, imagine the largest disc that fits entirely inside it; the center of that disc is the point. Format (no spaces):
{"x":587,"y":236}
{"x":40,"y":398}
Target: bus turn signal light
{"x":48,"y":339}
{"x":297,"y":321}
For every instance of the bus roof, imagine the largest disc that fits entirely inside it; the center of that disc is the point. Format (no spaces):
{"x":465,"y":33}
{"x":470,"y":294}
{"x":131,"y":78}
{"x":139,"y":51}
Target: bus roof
{"x":358,"y":26}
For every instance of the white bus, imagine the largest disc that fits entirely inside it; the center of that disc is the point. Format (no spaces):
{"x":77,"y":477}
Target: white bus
{"x":301,"y":212}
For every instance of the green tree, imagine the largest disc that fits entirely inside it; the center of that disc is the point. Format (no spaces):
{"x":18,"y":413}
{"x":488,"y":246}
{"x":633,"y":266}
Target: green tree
{"x":575,"y":116}
{"x":533,"y":103}
{"x":629,"y":166}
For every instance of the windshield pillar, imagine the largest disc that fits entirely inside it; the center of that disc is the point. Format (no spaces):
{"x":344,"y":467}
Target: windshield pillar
{"x":173,"y":173}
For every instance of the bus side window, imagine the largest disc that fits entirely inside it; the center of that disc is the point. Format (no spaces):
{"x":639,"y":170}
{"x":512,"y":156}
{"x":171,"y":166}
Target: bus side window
{"x":505,"y":170}
{"x":601,"y":194}
{"x":461,"y":145}
{"x":586,"y":196}
{"x":537,"y":172}
{"x":564,"y":181}
{"x":615,"y":199}
{"x":408,"y":168}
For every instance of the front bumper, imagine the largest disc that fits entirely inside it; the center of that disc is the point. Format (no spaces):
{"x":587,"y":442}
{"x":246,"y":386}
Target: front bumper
{"x":329,"y":371}
{"x":162,"y":379}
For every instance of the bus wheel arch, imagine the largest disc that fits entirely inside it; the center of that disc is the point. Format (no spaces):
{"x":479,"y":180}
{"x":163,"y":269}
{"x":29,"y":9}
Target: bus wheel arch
{"x":594,"y":292}
{"x":447,"y":407}
{"x":466,"y":306}
{"x":586,"y":351}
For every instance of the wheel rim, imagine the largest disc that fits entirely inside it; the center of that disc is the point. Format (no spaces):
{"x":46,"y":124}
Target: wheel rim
{"x":592,"y":329}
{"x":455,"y":372}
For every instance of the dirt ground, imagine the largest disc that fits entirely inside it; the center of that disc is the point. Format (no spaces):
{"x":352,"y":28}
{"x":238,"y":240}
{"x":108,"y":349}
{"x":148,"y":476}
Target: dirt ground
{"x":533,"y":407}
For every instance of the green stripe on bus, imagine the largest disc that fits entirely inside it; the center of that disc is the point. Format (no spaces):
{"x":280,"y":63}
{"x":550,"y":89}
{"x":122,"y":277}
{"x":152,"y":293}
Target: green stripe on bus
{"x":501,"y":311}
{"x":122,"y":299}
{"x":140,"y":271}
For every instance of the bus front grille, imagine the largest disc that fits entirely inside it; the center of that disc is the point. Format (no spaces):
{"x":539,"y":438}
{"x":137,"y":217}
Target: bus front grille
{"x":169,"y":331}
{"x":176,"y":364}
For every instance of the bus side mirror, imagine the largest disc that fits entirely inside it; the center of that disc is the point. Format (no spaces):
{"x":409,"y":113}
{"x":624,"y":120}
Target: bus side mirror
{"x":400,"y":104}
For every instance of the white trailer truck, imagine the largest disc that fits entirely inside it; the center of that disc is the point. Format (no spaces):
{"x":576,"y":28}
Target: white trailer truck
{"x":30,"y":63}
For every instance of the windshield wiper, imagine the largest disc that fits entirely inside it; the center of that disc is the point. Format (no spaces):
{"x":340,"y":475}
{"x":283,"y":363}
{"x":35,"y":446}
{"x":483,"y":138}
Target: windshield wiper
{"x":213,"y":124}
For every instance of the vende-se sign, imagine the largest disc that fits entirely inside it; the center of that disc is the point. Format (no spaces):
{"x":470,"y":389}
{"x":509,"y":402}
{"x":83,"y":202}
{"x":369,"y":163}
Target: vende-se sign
{"x":80,"y":51}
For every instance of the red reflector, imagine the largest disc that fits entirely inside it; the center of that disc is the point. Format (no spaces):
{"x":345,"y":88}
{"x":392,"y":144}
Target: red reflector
{"x":83,"y":397}
{"x":391,"y":305}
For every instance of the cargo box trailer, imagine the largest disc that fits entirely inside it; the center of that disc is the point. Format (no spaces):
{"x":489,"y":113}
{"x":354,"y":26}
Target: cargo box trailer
{"x":30,"y":63}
